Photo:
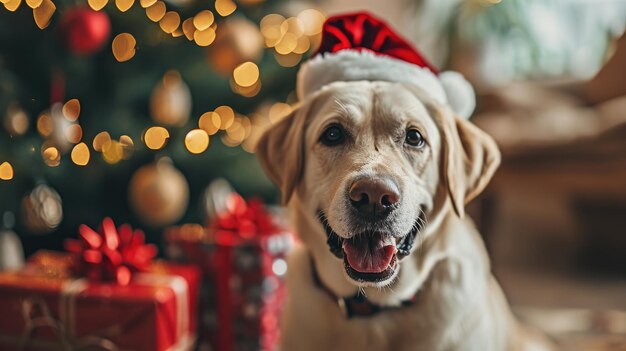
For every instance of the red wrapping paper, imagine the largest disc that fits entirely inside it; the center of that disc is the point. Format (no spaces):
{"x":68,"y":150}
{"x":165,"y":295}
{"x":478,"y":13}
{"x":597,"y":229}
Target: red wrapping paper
{"x":143,"y":315}
{"x":243,"y":294}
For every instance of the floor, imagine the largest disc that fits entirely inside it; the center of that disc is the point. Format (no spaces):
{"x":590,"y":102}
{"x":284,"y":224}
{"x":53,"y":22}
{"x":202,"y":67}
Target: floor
{"x":580,"y":313}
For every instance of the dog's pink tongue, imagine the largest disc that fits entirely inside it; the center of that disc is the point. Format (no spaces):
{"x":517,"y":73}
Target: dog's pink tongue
{"x":368,"y":255}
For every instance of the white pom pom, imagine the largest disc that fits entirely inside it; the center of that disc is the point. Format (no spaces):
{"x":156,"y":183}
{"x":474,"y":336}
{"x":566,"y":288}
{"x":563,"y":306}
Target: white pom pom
{"x":459,"y":92}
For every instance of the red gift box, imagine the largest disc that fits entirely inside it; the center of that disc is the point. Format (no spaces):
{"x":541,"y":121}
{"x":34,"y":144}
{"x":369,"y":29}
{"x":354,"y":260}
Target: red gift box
{"x":44,"y":307}
{"x":242,"y":257}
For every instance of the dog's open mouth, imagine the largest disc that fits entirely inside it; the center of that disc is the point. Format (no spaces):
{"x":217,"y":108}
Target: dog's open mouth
{"x":370,"y":256}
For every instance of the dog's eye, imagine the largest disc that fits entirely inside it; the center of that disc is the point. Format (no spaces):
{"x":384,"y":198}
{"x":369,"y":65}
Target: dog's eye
{"x":414,"y":138}
{"x":333,"y":135}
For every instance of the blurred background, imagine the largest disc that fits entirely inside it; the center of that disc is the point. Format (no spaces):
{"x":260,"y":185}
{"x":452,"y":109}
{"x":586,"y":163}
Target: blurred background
{"x":130,"y":108}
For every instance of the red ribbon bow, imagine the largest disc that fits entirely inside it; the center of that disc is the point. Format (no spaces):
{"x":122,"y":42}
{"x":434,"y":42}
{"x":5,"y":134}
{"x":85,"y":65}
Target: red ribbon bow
{"x":242,"y":221}
{"x":112,"y":254}
{"x":362,"y":31}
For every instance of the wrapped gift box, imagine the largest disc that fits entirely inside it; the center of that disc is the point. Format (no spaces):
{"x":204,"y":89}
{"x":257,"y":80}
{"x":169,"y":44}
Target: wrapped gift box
{"x":242,"y":257}
{"x":44,"y":307}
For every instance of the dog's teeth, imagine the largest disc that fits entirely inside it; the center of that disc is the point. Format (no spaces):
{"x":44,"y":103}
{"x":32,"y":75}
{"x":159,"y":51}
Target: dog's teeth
{"x":388,"y":241}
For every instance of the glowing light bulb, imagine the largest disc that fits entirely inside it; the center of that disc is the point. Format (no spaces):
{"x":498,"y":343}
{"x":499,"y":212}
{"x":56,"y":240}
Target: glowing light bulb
{"x":155,"y":138}
{"x":246,"y":74}
{"x":80,"y":154}
{"x":196,"y":141}
{"x":6,"y":171}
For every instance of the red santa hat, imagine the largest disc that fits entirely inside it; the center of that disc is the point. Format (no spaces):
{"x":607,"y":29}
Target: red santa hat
{"x":359,"y":46}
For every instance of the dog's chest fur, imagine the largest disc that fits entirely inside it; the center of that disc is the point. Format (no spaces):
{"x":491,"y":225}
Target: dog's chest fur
{"x":454,"y":311}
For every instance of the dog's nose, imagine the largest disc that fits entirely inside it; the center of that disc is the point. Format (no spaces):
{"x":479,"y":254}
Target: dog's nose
{"x":374,"y":196}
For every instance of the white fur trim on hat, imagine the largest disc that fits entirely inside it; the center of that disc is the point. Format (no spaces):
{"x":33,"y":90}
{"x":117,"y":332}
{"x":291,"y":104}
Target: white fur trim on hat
{"x":460,"y":93}
{"x":353,"y":65}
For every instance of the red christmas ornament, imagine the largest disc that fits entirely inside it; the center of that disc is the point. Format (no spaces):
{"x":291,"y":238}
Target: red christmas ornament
{"x":84,"y":30}
{"x":112,"y":254}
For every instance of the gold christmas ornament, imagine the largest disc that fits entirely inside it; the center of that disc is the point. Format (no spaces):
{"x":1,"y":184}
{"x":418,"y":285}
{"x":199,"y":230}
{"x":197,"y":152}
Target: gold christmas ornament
{"x":159,"y":193}
{"x":170,"y":103}
{"x":238,"y":40}
{"x":42,"y":209}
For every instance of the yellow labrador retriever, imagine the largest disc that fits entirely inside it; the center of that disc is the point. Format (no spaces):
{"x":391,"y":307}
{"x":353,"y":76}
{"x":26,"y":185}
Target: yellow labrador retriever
{"x":376,"y":177}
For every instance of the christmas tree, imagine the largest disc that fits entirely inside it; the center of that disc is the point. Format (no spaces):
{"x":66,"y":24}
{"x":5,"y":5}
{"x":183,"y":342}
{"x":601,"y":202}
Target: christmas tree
{"x":129,"y":109}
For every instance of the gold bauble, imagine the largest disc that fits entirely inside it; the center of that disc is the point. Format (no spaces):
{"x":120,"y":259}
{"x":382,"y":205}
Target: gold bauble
{"x":238,"y":40}
{"x":159,"y":193}
{"x":170,"y":103}
{"x":42,"y":209}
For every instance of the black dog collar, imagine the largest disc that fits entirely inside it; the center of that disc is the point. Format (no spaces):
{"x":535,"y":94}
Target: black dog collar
{"x":357,"y":305}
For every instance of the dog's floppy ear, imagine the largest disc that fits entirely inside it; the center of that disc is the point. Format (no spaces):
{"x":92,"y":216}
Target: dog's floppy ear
{"x":281,"y":152}
{"x":470,"y":158}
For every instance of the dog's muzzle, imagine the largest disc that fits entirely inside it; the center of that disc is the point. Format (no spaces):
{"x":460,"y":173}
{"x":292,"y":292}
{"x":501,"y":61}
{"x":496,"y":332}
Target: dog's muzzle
{"x":371,"y":256}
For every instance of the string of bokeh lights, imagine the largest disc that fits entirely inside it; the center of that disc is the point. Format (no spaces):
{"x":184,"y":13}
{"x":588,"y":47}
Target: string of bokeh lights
{"x":288,"y":37}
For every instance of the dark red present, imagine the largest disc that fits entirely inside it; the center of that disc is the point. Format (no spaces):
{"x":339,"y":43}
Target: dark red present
{"x":107,"y":294}
{"x":44,"y":307}
{"x":242,"y":256}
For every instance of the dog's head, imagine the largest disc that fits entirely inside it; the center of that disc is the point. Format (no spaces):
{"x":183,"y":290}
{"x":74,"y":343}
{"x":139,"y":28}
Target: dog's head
{"x":371,"y":162}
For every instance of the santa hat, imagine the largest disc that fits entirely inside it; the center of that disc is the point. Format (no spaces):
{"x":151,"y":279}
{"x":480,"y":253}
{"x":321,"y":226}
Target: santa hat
{"x":359,"y":46}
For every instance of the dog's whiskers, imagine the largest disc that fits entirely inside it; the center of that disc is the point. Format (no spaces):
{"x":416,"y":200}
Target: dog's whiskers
{"x":420,"y":233}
